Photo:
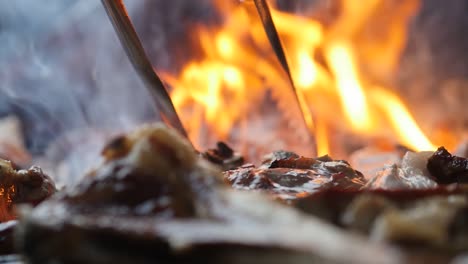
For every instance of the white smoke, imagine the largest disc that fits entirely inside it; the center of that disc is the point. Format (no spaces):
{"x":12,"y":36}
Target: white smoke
{"x":64,"y":73}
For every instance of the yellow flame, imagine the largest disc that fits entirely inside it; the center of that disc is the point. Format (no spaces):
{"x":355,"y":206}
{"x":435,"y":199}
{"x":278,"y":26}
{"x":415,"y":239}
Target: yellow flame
{"x":208,"y":84}
{"x":350,"y":90}
{"x":310,"y":31}
{"x":307,"y":75}
{"x":401,"y":120}
{"x":336,"y":65}
{"x":321,"y":135}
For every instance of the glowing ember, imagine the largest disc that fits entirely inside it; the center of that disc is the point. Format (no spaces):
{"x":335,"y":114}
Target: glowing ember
{"x":339,"y":68}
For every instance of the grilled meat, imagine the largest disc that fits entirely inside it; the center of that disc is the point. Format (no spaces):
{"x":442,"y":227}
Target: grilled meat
{"x":224,"y":157}
{"x":155,"y":200}
{"x":289,"y":176}
{"x":447,"y":168}
{"x":19,"y":187}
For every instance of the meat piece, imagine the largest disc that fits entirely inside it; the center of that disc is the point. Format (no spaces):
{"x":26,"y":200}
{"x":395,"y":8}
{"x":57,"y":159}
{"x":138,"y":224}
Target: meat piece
{"x":458,"y":230}
{"x":19,"y":187}
{"x":447,"y":168}
{"x":394,"y":177}
{"x":410,"y":173}
{"x":334,"y":204}
{"x":224,"y":157}
{"x":155,"y":200}
{"x":363,"y":210}
{"x":23,"y":186}
{"x":151,"y":171}
{"x":288,"y":176}
{"x":277,"y":155}
{"x":432,"y":219}
{"x":369,"y":160}
{"x":425,"y":222}
{"x":6,"y":237}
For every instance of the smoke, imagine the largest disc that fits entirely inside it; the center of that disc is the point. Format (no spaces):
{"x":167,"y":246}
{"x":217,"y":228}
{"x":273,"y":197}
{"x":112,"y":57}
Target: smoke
{"x":65,"y":75}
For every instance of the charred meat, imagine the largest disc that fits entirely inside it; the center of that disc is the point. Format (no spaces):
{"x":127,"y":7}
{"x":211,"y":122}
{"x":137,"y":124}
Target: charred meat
{"x":17,"y":187}
{"x":224,"y":157}
{"x":447,"y":168}
{"x":289,"y":176}
{"x":21,"y":187}
{"x":155,"y":200}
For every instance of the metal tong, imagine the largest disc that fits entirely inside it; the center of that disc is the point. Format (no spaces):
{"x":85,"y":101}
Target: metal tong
{"x":128,"y":37}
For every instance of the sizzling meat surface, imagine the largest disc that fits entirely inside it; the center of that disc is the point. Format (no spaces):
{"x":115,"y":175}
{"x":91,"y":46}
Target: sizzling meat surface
{"x":289,"y":176}
{"x":155,"y":199}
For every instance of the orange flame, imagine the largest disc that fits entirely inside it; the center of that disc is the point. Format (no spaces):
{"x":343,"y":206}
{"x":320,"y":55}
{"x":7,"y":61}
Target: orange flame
{"x":350,"y":91}
{"x":340,"y":69}
{"x":401,"y":120}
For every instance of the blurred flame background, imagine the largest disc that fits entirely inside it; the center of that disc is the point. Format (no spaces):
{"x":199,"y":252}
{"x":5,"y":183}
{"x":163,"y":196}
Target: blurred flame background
{"x":379,"y":73}
{"x":340,"y":70}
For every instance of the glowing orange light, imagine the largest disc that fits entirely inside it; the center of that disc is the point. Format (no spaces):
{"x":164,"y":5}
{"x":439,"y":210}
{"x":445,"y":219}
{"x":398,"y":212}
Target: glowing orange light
{"x":323,"y":148}
{"x":335,"y":66}
{"x":350,"y":90}
{"x":307,"y":74}
{"x":401,"y":120}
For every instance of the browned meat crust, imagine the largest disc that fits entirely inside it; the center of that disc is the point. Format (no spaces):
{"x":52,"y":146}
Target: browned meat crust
{"x":447,"y":168}
{"x":289,"y":176}
{"x":155,"y":200}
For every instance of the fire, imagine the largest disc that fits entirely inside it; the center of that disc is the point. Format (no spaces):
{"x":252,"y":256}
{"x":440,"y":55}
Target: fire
{"x":341,"y":69}
{"x":350,"y":91}
{"x":404,"y":124}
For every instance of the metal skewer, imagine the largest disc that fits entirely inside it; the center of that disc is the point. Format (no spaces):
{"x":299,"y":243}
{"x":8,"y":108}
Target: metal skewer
{"x":275,"y":42}
{"x":128,"y":37}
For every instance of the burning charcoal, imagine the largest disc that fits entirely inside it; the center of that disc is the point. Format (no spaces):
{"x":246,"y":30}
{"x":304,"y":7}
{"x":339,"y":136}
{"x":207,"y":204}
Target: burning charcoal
{"x":157,"y":201}
{"x":447,"y":168}
{"x":224,"y":156}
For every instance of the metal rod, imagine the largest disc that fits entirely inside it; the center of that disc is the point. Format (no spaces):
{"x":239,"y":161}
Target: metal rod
{"x":128,"y":37}
{"x":275,"y":42}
